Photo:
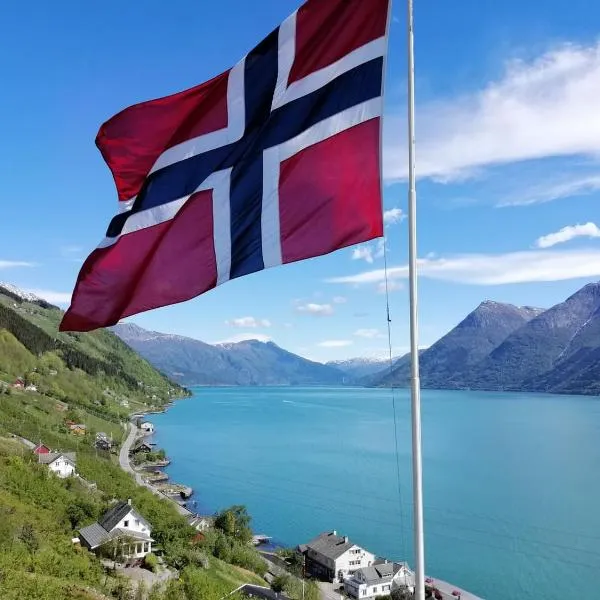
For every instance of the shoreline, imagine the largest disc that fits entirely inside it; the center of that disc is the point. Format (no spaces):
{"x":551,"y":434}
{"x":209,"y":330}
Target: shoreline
{"x":269,"y":547}
{"x":126,"y":466}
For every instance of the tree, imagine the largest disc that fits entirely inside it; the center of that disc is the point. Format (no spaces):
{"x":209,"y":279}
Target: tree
{"x":401,"y":593}
{"x":235,"y":522}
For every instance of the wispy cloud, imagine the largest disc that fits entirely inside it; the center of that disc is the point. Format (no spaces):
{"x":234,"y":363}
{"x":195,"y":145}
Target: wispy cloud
{"x":494,"y":269}
{"x":393,"y":216}
{"x":540,"y":108}
{"x":335,"y":343}
{"x":547,"y":191}
{"x":243,"y":337}
{"x":589,"y":230}
{"x":52,"y":296}
{"x":369,"y":252}
{"x":339,"y":300}
{"x":369,"y":334}
{"x":392,"y":286}
{"x":14,"y":264}
{"x":248,"y":322}
{"x":312,"y":308}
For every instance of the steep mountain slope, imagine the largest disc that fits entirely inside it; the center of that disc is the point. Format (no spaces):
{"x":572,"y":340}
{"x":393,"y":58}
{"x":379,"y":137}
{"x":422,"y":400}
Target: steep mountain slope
{"x":96,"y":369}
{"x":250,"y":362}
{"x":358,"y":368}
{"x":447,"y":363}
{"x":556,"y":339}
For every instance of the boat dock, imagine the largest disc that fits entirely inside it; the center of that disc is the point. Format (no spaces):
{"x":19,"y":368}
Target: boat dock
{"x":449,"y":591}
{"x":260,"y":538}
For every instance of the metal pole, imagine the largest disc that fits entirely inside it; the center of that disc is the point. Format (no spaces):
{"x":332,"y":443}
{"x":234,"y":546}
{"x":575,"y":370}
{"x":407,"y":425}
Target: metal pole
{"x":417,"y":465}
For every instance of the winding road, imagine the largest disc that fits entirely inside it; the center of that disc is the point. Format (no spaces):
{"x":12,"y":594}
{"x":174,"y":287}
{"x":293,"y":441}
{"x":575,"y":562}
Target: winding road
{"x":126,"y":466}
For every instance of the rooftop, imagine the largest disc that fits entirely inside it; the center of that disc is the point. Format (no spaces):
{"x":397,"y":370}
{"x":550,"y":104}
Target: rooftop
{"x":381,"y":572}
{"x":329,"y":544}
{"x":50,"y":457}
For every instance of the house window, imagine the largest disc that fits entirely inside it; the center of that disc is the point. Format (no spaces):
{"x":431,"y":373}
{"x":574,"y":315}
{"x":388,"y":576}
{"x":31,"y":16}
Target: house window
{"x":364,"y":592}
{"x":125,"y":523}
{"x":375,"y":590}
{"x":146,"y":546}
{"x":137,"y":522}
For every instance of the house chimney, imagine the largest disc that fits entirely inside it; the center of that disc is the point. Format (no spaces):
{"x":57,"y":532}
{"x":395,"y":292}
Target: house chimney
{"x":334,"y":532}
{"x":345,"y":539}
{"x":129,"y":501}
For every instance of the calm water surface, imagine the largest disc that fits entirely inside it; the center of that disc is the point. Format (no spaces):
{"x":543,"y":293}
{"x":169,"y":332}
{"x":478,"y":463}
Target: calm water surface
{"x":512,"y":481}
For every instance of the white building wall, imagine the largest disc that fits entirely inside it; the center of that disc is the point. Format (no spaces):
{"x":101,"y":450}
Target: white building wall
{"x":132,"y":522}
{"x":62,"y":467}
{"x":353,"y":559}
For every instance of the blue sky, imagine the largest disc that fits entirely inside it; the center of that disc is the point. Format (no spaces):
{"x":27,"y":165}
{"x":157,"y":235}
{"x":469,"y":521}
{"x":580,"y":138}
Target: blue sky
{"x":508,"y":138}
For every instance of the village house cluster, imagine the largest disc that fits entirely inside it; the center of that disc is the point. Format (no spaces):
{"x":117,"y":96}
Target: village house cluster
{"x":335,"y":558}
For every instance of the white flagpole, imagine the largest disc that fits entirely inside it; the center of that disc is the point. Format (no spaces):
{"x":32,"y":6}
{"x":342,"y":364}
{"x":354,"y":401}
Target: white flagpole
{"x":417,"y":463}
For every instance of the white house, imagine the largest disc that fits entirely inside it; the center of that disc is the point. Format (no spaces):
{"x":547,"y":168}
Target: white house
{"x":333,"y":557}
{"x":147,"y":427}
{"x":121,"y":522}
{"x":379,"y":580}
{"x":201,"y":523}
{"x":61,"y":463}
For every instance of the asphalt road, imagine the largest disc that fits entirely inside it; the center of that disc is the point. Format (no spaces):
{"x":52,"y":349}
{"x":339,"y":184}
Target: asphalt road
{"x":126,"y":466}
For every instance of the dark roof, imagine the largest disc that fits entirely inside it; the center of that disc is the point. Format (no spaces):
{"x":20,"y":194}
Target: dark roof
{"x":330,"y":545}
{"x":141,"y":446}
{"x":380,"y":573}
{"x":94,"y":535}
{"x":50,"y":457}
{"x":112,"y":516}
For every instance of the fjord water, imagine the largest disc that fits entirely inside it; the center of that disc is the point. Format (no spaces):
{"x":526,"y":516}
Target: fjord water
{"x":511,"y":481}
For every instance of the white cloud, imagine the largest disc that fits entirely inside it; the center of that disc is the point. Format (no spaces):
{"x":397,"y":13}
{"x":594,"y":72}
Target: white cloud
{"x":568,"y":233}
{"x":393,"y":216}
{"x":368,"y":333}
{"x":363,"y":253}
{"x":311,"y":308}
{"x":392,"y":286}
{"x":539,"y":108}
{"x":242,"y":337}
{"x":573,"y":185}
{"x":13,"y":264}
{"x":369,"y":252}
{"x":248,"y":322}
{"x":335,"y":343}
{"x":494,"y":269}
{"x":339,"y":300}
{"x":61,"y":298}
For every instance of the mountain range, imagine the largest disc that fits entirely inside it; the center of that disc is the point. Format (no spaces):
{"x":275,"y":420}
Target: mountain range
{"x":192,"y":362}
{"x":497,"y":346}
{"x":504,"y":347}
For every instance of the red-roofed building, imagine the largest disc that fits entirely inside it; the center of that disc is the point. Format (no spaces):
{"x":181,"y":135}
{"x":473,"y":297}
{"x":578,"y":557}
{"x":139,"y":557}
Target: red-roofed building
{"x":41,"y":449}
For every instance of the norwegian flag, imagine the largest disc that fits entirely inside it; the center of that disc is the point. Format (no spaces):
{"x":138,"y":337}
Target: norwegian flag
{"x":271,"y":162}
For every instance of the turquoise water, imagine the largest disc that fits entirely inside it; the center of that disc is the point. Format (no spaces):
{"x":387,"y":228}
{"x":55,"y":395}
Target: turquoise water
{"x":511,"y":481}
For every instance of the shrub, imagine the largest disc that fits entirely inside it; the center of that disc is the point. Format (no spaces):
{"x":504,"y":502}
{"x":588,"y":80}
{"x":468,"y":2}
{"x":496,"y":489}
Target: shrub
{"x":151,"y":562}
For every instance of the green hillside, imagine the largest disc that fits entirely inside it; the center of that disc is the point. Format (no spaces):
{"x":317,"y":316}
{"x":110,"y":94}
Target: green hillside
{"x":96,"y":380}
{"x":95,"y":371}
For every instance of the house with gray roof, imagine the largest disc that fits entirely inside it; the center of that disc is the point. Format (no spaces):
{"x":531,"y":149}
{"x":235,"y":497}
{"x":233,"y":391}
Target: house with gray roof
{"x":62,"y":464}
{"x":332,"y":557}
{"x":121,"y":522}
{"x":379,"y":579}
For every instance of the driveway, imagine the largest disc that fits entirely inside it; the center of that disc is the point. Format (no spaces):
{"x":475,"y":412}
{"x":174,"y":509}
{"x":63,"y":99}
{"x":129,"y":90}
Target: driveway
{"x":328,"y":592}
